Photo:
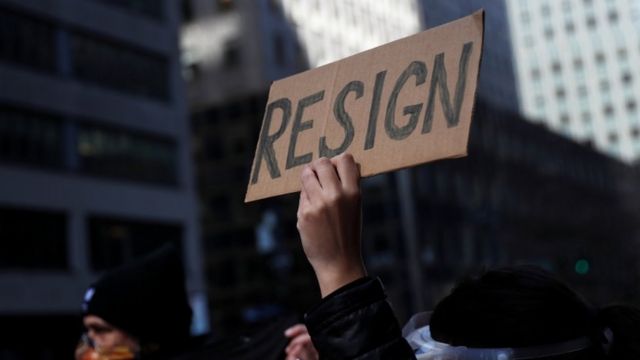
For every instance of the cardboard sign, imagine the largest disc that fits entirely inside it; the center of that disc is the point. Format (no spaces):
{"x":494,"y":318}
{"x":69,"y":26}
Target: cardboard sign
{"x":401,"y":104}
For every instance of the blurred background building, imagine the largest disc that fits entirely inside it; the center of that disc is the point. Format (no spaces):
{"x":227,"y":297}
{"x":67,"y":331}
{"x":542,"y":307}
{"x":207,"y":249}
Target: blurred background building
{"x":577,"y":69}
{"x":95,"y":161}
{"x":253,"y":249}
{"x":511,"y":201}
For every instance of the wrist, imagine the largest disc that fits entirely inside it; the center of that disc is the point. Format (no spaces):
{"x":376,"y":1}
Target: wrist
{"x":331,"y":279}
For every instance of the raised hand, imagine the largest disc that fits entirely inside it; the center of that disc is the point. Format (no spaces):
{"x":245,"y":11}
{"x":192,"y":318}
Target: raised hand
{"x":329,"y":221}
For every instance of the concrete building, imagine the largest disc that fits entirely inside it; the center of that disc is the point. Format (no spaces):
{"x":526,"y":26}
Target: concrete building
{"x":95,"y":164}
{"x":233,"y":49}
{"x":577,"y":69}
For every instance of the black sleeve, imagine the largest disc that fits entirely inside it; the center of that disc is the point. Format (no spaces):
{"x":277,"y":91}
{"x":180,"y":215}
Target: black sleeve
{"x":357,"y":322}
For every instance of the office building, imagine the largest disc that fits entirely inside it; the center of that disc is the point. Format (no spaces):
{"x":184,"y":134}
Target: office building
{"x":577,"y":70}
{"x":95,"y":163}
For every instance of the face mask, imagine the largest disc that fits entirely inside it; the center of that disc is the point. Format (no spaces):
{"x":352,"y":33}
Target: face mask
{"x":418,"y":334}
{"x":86,"y":351}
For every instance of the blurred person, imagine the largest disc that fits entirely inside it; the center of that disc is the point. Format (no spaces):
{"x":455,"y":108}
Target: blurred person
{"x":139,"y":310}
{"x":504,"y":314}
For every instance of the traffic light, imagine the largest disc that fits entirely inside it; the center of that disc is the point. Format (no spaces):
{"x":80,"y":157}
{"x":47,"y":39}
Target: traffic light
{"x":582,"y":267}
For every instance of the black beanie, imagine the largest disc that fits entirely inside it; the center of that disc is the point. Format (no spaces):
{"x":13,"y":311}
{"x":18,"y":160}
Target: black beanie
{"x":147,"y":299}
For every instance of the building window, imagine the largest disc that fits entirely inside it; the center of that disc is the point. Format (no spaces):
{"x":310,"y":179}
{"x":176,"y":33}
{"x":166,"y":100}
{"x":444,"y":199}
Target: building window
{"x":627,"y":78}
{"x":613,"y":16}
{"x":560,"y":93}
{"x":608,"y":110}
{"x":27,"y":41}
{"x":150,"y":8}
{"x":564,"y":119}
{"x":545,"y":10}
{"x":604,"y":86}
{"x":548,"y":33}
{"x":635,"y":133}
{"x":613,"y":138}
{"x":33,"y":239}
{"x":577,"y":63}
{"x":539,"y":100}
{"x":600,"y":58}
{"x":114,"y":241}
{"x":591,"y":22}
{"x":121,"y":154}
{"x":586,"y":118}
{"x":535,"y":74}
{"x":631,"y":105}
{"x":30,"y":138}
{"x":556,"y":67}
{"x":231,"y":56}
{"x":119,"y":67}
{"x":569,"y":27}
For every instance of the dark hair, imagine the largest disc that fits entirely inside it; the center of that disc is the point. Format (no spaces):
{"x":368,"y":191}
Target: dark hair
{"x":526,"y":306}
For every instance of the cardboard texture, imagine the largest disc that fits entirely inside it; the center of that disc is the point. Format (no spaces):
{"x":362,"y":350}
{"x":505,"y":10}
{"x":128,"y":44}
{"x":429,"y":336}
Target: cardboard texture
{"x":401,"y":104}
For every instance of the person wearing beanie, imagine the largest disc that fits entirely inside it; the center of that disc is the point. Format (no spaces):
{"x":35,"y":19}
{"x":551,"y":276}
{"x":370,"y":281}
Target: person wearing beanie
{"x":140,"y":309}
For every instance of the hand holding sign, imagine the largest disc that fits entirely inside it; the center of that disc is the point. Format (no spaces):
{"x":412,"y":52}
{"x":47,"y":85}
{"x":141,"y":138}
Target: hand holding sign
{"x":402,"y":104}
{"x":329,"y":221}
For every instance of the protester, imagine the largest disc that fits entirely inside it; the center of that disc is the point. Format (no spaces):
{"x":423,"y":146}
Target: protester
{"x":139,"y":310}
{"x":506,"y":314}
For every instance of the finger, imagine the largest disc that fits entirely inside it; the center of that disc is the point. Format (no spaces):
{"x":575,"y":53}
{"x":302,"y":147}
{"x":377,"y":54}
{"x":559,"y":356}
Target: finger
{"x":348,"y":171}
{"x":308,"y":353}
{"x":303,"y":202}
{"x":303,"y":339}
{"x":311,"y":185}
{"x":295,"y":330}
{"x":293,"y":349}
{"x":297,"y":351}
{"x":327,"y":175}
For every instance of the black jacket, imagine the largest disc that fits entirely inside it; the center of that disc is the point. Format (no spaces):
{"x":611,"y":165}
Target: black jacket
{"x":357,"y":322}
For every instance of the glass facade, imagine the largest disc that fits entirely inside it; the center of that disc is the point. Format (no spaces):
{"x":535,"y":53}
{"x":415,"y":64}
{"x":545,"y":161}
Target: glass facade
{"x":30,"y":138}
{"x":32,"y":239}
{"x":48,"y":141}
{"x":115,"y":241}
{"x":27,"y":41}
{"x":32,"y":42}
{"x":119,"y":67}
